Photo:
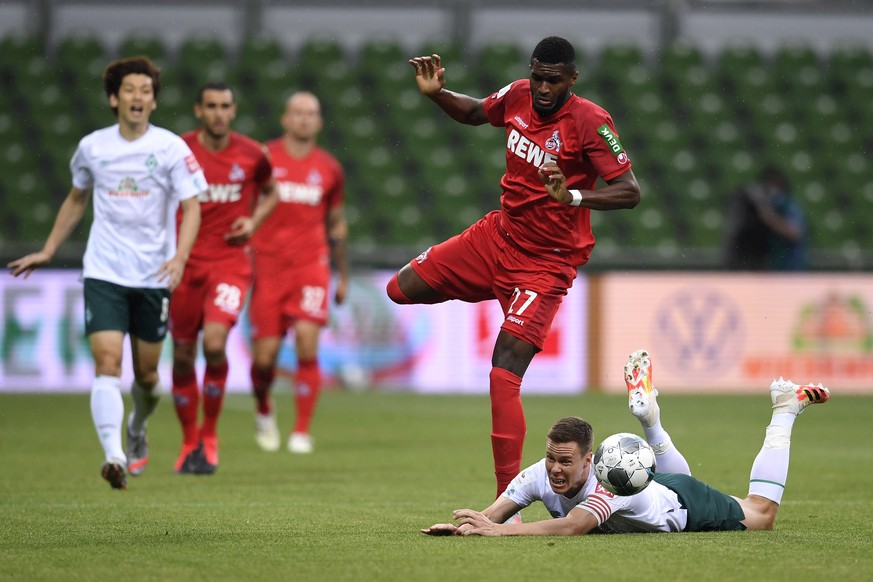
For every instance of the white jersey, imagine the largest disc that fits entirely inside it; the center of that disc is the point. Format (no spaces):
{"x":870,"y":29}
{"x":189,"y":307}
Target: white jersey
{"x":137,"y":186}
{"x":655,"y":509}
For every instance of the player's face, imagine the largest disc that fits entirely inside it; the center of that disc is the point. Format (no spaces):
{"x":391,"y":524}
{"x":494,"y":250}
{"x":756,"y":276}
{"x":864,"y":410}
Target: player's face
{"x":567,"y":467}
{"x":302,"y":117}
{"x":135,"y":100}
{"x":550,"y":86}
{"x":216,"y":111}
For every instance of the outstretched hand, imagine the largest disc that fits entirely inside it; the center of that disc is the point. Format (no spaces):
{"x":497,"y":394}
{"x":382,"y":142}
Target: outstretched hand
{"x":429,"y":74}
{"x":441,"y":529}
{"x":471,"y":522}
{"x":28,"y":263}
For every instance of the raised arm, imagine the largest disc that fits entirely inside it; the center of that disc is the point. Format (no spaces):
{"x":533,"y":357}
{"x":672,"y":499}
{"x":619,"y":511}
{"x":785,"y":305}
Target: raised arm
{"x":430,"y":76}
{"x":69,"y":216}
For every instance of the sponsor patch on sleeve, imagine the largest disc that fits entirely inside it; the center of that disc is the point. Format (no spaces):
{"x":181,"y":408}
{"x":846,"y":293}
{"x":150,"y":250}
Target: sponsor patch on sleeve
{"x":610,"y":139}
{"x":192,"y":163}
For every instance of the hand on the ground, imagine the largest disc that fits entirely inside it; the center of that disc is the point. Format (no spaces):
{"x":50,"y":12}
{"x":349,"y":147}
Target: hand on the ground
{"x":441,"y":529}
{"x":472,"y":522}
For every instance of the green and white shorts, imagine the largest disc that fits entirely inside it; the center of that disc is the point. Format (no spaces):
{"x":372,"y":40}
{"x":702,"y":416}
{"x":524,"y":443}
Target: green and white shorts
{"x":141,"y":312}
{"x":708,"y":508}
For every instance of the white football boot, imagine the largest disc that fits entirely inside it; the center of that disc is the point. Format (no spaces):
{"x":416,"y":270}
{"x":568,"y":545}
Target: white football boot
{"x":300,"y":443}
{"x":266,"y":432}
{"x":641,"y":393}
{"x":789,"y":397}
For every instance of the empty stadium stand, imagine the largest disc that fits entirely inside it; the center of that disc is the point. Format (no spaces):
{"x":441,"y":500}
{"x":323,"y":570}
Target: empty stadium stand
{"x":696,"y":127}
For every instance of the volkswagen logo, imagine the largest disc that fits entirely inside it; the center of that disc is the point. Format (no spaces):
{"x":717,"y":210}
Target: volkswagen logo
{"x":699,"y":332}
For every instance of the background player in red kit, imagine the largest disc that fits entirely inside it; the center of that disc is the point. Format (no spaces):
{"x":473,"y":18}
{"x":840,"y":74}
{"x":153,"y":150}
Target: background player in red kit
{"x":298,"y":241}
{"x":526,"y":254}
{"x":241,"y":195}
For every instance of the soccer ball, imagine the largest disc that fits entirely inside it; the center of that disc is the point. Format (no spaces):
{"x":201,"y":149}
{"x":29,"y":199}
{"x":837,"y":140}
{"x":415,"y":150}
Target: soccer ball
{"x":624,"y":463}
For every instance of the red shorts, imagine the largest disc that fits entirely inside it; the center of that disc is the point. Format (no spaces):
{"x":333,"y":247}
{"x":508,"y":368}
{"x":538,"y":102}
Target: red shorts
{"x":484,"y":263}
{"x":283,"y":295}
{"x":210,"y":291}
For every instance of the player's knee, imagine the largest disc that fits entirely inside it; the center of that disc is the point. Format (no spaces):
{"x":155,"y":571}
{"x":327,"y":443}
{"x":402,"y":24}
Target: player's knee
{"x":512,"y":354}
{"x":183,"y":360}
{"x":213,"y":351}
{"x":107,"y":363}
{"x":147,"y":379}
{"x":262,"y":363}
{"x":760,"y":512}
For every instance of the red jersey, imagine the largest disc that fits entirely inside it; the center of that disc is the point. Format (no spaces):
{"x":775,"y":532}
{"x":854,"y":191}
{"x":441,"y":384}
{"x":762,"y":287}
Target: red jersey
{"x":235,"y":176}
{"x":295,"y":233}
{"x":581,"y":138}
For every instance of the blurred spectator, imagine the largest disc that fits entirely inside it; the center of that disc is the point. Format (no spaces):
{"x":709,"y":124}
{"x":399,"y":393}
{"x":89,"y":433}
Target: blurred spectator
{"x":766,"y":227}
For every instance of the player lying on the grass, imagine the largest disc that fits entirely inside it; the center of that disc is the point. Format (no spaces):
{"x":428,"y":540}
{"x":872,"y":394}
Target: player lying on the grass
{"x":673,"y":501}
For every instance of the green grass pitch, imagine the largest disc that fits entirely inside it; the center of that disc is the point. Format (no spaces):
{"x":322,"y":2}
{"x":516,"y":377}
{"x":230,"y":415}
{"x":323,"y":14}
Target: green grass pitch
{"x":387,"y":464}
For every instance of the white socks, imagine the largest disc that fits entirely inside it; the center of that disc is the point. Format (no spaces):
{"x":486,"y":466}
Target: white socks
{"x":107,"y":410}
{"x":144,"y":403}
{"x":668,"y":459}
{"x":770,"y":469}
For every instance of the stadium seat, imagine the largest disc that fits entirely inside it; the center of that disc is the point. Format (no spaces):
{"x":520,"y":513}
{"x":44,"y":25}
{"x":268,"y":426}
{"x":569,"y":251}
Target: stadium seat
{"x":793,"y":57}
{"x":452,"y":52}
{"x":259,"y":49}
{"x":685,"y":85}
{"x":318,"y":56}
{"x":196,"y":50}
{"x":736,"y":58}
{"x":378,"y":53}
{"x":33,"y":75}
{"x":850,"y":56}
{"x":16,"y":49}
{"x":678,"y":57}
{"x":749,"y":85}
{"x":619,"y":65}
{"x":498,"y":63}
{"x":271,"y":85}
{"x":76,"y":49}
{"x":150,"y":46}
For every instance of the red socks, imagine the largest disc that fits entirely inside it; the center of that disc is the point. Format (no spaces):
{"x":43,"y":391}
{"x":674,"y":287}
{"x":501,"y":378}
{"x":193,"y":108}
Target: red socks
{"x":307,"y":385}
{"x":214,"y":381}
{"x":508,"y":426}
{"x":261,"y":382}
{"x":186,"y":399}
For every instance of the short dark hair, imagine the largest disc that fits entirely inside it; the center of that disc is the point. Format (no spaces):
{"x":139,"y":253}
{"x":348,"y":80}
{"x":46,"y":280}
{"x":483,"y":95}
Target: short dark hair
{"x":554,"y":50}
{"x":117,"y":70}
{"x":214,"y":86}
{"x":572,"y":429}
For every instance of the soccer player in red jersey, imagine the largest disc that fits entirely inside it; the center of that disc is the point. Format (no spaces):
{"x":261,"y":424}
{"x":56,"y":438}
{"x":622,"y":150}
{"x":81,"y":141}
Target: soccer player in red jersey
{"x":241,"y":195}
{"x":306,"y":232}
{"x":525,"y":254}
